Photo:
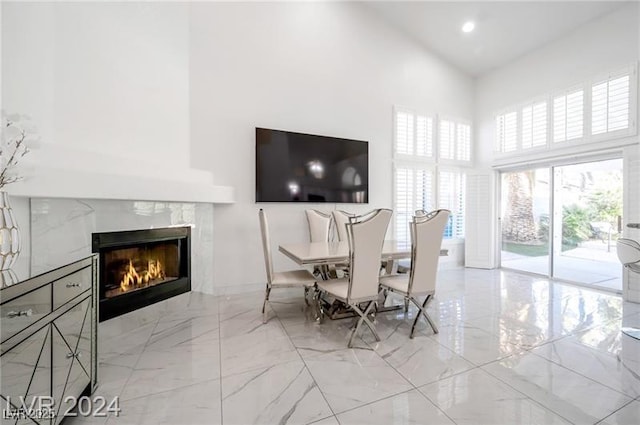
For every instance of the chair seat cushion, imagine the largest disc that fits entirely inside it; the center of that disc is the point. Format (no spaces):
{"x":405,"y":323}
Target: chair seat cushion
{"x":293,"y":278}
{"x":398,"y":283}
{"x":336,"y":287}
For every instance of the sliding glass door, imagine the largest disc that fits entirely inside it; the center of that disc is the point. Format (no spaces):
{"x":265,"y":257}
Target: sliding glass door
{"x":587,"y":216}
{"x":525,"y":220}
{"x":563,"y":221}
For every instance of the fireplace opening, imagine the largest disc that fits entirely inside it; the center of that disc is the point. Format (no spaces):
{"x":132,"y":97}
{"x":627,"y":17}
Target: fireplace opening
{"x":141,"y":267}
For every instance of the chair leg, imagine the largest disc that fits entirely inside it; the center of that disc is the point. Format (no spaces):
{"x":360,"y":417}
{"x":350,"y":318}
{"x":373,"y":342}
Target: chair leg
{"x":423,"y":312}
{"x":406,"y":304}
{"x":264,"y":305}
{"x":306,"y":296}
{"x":318,"y":303}
{"x":363,"y":319}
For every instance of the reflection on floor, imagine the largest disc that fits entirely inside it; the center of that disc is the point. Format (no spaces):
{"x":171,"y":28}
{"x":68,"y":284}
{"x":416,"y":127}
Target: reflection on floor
{"x":512,"y":349}
{"x":594,"y":263}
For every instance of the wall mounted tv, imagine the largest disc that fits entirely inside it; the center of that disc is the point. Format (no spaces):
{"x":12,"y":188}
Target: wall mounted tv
{"x":296,"y":167}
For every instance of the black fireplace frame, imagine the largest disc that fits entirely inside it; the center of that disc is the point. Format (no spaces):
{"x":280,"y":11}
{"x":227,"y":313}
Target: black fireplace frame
{"x":124,"y":303}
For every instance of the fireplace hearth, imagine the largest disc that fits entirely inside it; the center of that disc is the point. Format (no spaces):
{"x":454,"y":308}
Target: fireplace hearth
{"x":141,"y":267}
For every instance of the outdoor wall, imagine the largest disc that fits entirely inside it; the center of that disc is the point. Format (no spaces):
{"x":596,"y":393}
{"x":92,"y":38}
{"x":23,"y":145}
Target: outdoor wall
{"x":328,"y":68}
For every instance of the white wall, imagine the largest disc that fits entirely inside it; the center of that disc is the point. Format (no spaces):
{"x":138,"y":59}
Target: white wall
{"x":605,"y":44}
{"x":323,"y":68}
{"x":101,"y":80}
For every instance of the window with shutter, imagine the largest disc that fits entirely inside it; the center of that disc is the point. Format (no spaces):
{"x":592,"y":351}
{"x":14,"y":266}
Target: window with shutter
{"x":454,"y":141}
{"x":568,"y":116}
{"x":413,"y":191}
{"x":534,"y":125}
{"x":463,"y":142}
{"x":610,"y":105}
{"x":507,"y":131}
{"x":447,"y":139}
{"x":451,"y":196}
{"x":424,"y":136}
{"x":415,"y":176}
{"x":404,"y":133}
{"x":414,"y":134}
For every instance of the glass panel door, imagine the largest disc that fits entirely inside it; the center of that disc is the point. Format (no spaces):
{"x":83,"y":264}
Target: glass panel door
{"x":587,"y":218}
{"x":525,"y":219}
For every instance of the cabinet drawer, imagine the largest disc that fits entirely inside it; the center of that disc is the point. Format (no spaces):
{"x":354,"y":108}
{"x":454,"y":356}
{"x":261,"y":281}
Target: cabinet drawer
{"x":20,"y":313}
{"x":69,"y":287}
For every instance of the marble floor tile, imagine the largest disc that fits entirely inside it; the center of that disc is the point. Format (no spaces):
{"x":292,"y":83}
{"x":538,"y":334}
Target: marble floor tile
{"x":477,"y":398}
{"x":183,"y":332}
{"x":628,"y":415}
{"x":327,"y":421}
{"x":198,"y":404}
{"x":351,"y":377}
{"x":512,"y":349}
{"x":279,"y":394}
{"x":619,"y":370}
{"x":409,"y":408}
{"x":313,"y":339}
{"x":265,"y":346}
{"x":420,"y":360}
{"x":163,"y":370}
{"x":475,"y":345}
{"x":573,"y":396}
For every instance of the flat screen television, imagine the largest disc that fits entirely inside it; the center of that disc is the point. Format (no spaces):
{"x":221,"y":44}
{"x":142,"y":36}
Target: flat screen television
{"x":297,"y":167}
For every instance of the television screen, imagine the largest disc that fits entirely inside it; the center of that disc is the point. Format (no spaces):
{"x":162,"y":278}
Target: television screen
{"x":296,"y":167}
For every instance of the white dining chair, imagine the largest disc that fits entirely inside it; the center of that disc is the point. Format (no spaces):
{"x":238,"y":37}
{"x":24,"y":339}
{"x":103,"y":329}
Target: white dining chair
{"x":319,"y":231}
{"x":426,"y":238}
{"x":319,"y":225}
{"x":286,"y":279}
{"x":365,"y":236}
{"x":341,"y":219}
{"x":629,"y":255}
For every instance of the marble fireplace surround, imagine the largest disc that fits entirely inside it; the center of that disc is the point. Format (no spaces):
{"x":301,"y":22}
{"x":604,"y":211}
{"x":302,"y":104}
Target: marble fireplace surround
{"x":60,"y":230}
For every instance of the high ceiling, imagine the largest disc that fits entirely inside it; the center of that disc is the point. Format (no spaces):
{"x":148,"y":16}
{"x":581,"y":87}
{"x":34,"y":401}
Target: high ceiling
{"x":504,"y":30}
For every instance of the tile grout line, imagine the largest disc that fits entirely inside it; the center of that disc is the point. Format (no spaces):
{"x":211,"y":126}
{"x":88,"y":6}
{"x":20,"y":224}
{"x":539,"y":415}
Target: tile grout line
{"x":614,"y":412}
{"x":307,"y":368}
{"x":412,"y":384}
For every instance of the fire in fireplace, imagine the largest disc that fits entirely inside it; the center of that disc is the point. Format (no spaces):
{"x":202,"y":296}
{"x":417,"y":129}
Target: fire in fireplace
{"x":141,"y":267}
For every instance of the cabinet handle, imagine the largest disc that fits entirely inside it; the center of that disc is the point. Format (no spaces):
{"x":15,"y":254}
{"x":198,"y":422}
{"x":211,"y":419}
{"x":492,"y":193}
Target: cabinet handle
{"x":73,"y":285}
{"x":72,"y":355}
{"x":27,"y":313}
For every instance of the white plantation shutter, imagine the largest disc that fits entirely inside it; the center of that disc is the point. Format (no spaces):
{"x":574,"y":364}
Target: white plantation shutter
{"x":507,"y":131}
{"x":610,"y":105}
{"x":424,"y":136}
{"x":447,"y":140}
{"x":413,"y":191}
{"x":451,"y":196}
{"x":463,"y":142}
{"x":568,"y":116}
{"x":534,"y":125}
{"x":404,"y":133}
{"x":454,"y":141}
{"x":618,"y":100}
{"x":414,"y":134}
{"x":480,"y":226}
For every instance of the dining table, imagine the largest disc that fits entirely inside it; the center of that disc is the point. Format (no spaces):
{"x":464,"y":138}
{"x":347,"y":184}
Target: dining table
{"x":324,"y":254}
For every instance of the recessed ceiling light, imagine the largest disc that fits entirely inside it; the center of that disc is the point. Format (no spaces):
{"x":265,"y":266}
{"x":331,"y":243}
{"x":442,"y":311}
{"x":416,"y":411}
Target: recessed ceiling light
{"x":468,"y":26}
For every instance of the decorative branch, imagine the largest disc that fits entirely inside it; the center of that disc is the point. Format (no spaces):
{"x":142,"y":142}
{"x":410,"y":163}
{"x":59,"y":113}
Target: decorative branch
{"x":11,"y":150}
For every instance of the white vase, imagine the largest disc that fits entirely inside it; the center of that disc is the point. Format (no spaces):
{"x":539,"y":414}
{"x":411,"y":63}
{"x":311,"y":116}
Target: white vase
{"x":9,"y":234}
